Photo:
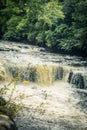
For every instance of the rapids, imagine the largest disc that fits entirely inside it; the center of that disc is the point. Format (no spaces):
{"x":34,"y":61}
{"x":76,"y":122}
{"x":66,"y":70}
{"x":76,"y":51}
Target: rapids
{"x":55,"y":86}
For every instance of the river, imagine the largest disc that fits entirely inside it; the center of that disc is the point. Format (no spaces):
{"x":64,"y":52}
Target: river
{"x":55,"y":86}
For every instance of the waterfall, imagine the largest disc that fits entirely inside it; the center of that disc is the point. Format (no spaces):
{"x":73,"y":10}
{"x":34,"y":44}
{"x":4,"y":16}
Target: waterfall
{"x":41,"y":74}
{"x":40,"y":67}
{"x":54,"y":85}
{"x":44,"y":74}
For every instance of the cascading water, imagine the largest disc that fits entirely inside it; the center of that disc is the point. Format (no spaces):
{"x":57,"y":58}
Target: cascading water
{"x":57,"y":107}
{"x":42,"y":74}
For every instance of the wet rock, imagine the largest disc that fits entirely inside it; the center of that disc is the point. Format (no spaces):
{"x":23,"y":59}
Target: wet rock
{"x":4,"y":49}
{"x":42,"y":49}
{"x":70,"y":76}
{"x":76,"y":79}
{"x":2,"y":101}
{"x":6,"y":123}
{"x":82,"y":99}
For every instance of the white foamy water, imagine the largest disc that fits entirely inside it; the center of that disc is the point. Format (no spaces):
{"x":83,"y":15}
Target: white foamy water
{"x":56,"y":107}
{"x":23,"y":53}
{"x":49,"y":107}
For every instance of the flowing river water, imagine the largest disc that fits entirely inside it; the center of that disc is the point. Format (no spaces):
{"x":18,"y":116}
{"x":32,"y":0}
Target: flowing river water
{"x":55,"y":87}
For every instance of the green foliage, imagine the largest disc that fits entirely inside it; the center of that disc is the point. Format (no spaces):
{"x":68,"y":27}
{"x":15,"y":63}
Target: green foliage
{"x":12,"y":32}
{"x":51,"y":13}
{"x":56,"y":24}
{"x":76,"y":18}
{"x":40,"y":37}
{"x":7,"y":104}
{"x":80,"y":18}
{"x":48,"y":19}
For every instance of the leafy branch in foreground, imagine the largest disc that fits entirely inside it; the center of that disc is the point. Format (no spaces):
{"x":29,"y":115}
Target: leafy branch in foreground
{"x":10,"y":104}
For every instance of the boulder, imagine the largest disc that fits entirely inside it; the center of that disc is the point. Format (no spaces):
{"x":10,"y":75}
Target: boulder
{"x":76,"y":79}
{"x":6,"y":123}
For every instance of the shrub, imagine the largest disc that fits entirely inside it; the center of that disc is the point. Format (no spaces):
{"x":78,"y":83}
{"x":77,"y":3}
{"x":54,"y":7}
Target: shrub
{"x":7,"y":102}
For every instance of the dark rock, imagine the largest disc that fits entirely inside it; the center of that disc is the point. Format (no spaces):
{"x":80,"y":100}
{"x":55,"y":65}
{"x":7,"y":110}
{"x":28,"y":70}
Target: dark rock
{"x":42,"y":49}
{"x":78,"y":80}
{"x":82,"y":102}
{"x":2,"y":101}
{"x":70,"y":76}
{"x":6,"y":123}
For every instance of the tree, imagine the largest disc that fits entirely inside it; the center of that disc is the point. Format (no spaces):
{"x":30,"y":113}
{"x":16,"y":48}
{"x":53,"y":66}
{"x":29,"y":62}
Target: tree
{"x":55,"y":24}
{"x":48,"y":20}
{"x":80,"y":23}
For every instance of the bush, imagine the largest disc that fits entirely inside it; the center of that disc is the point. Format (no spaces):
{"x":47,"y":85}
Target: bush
{"x":7,"y":102}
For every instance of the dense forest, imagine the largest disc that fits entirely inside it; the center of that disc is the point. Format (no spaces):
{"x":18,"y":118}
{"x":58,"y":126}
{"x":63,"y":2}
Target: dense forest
{"x":59,"y":25}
